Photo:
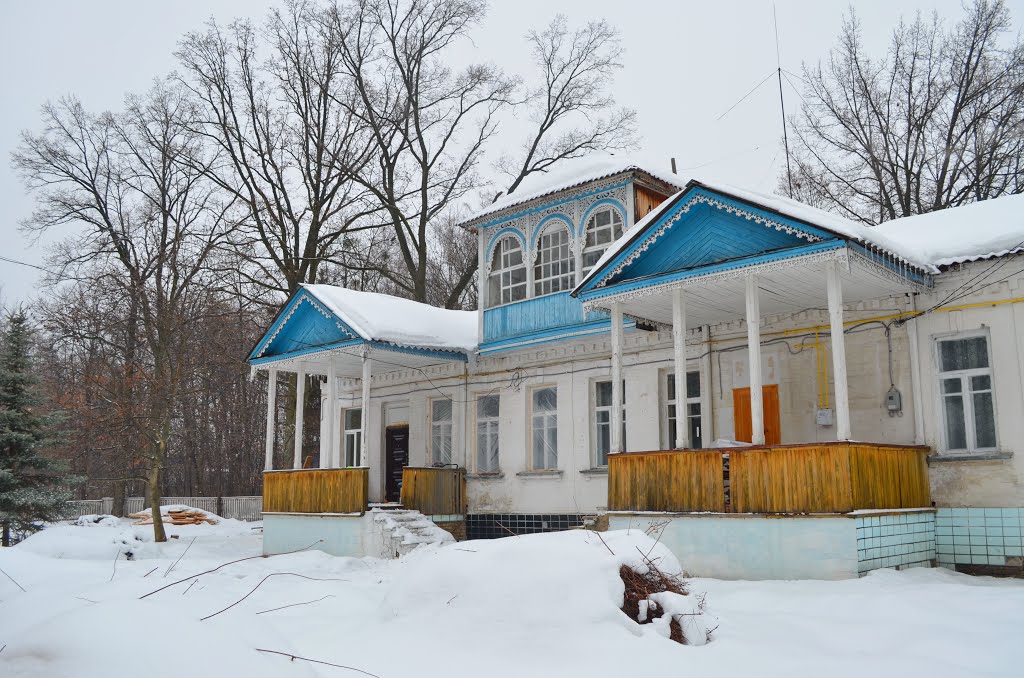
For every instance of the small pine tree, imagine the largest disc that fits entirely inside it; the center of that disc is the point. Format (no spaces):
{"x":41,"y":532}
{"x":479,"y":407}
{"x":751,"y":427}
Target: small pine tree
{"x":33,"y":488}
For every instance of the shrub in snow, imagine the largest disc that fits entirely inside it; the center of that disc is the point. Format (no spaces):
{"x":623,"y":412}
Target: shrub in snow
{"x":655,"y":597}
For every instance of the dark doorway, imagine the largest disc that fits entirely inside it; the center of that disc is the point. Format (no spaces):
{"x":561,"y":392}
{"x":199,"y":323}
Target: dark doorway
{"x":396,"y":458}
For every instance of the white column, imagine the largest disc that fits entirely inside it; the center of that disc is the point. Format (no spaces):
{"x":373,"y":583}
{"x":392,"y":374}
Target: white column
{"x":300,"y":411}
{"x":331,"y":413}
{"x":682,"y":440}
{"x":707,"y":415}
{"x":616,"y":432}
{"x":268,"y":461}
{"x":835,"y":316}
{"x":365,"y":414}
{"x":754,"y":355}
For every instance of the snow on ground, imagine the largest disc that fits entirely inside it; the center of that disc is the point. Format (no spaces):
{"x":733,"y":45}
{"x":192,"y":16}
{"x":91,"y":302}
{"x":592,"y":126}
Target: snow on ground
{"x":540,"y":605}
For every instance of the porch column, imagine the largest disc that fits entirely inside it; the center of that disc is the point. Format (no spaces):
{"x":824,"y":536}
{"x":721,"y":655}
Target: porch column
{"x":616,"y":432}
{"x":300,"y":411}
{"x":364,"y":416}
{"x":754,"y":355}
{"x":682,"y":440}
{"x":835,"y":316}
{"x":268,"y":461}
{"x":331,"y":460}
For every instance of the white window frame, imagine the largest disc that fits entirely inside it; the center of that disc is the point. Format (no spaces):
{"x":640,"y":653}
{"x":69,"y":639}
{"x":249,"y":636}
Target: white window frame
{"x":493,"y":424}
{"x":591,"y":225}
{"x":965,"y":393}
{"x":353,"y":435}
{"x":549,"y":420}
{"x":442,"y":427}
{"x":561,"y":269}
{"x":595,"y":426}
{"x":502,"y":270}
{"x":670,"y":403}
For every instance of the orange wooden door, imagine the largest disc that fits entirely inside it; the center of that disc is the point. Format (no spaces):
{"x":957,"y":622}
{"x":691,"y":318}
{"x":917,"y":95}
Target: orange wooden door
{"x":743,"y":430}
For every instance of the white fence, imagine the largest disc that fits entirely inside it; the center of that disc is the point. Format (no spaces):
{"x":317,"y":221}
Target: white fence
{"x":239,"y":508}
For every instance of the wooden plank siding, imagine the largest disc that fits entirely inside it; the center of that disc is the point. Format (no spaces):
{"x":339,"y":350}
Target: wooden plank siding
{"x":805,"y":478}
{"x":335,"y":490}
{"x":671,"y":481}
{"x":434,"y":491}
{"x":644,"y":201}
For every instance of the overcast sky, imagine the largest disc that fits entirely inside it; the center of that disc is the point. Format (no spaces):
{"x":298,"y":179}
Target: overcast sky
{"x":686,"y":63}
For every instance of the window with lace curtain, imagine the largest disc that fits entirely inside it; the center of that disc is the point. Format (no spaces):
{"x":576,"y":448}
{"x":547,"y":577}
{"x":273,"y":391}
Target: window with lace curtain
{"x":487,"y":417}
{"x":544,"y":428}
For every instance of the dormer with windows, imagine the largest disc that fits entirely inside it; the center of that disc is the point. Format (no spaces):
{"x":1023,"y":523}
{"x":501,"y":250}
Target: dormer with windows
{"x":537,"y":243}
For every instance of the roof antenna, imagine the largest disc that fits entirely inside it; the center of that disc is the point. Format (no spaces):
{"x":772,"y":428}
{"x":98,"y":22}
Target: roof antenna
{"x":782,"y":101}
{"x":674,"y":166}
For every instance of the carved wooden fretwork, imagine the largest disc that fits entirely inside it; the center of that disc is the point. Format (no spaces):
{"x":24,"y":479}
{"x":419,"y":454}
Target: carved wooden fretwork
{"x":701,"y":199}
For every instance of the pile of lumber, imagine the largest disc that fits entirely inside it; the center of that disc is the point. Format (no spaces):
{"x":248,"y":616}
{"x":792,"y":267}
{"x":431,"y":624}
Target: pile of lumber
{"x":175,"y":517}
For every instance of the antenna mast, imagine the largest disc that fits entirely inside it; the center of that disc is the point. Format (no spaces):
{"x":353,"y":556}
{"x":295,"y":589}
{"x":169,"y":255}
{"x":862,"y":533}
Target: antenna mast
{"x":782,"y":101}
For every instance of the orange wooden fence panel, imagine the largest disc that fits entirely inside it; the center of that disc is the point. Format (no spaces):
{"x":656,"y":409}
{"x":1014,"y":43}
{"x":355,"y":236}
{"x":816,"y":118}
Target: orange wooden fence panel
{"x":336,"y":490}
{"x":674,"y":481}
{"x":434,"y":491}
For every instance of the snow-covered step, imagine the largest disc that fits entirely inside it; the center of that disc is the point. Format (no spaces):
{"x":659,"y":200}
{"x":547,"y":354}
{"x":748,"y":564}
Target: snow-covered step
{"x":402,"y":530}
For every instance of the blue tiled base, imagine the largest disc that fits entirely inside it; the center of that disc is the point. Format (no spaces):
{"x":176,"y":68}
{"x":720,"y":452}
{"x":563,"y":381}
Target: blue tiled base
{"x":899,"y":539}
{"x":978,"y":536}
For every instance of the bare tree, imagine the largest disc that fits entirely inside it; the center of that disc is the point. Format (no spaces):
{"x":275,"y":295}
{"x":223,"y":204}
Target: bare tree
{"x":288,"y":140}
{"x":938,"y":122}
{"x":134,"y":186}
{"x":572,"y":109}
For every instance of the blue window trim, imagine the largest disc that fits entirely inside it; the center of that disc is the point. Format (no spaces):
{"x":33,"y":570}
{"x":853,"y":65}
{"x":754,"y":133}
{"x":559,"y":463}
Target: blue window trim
{"x":539,"y":228}
{"x":500,"y":234}
{"x":597,"y":205}
{"x":744,"y":262}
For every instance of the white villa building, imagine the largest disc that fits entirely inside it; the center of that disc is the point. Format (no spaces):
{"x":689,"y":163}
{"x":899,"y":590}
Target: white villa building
{"x":625,"y":319}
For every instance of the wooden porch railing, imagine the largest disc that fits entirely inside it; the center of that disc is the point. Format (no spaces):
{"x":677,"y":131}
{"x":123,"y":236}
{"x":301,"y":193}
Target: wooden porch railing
{"x":434,"y":491}
{"x":666,"y":481}
{"x":333,"y":490}
{"x":809,"y":478}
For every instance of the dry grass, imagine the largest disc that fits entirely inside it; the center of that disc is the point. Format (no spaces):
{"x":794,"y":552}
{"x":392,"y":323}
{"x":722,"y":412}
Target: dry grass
{"x":639,"y":588}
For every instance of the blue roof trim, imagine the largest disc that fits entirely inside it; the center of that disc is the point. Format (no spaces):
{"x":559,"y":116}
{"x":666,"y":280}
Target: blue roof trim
{"x":552,"y":203}
{"x":550,"y":335}
{"x":458,"y":356}
{"x":681,"y":201}
{"x":306,"y":351}
{"x":920,"y":277}
{"x":287,"y":313}
{"x":743,"y":262}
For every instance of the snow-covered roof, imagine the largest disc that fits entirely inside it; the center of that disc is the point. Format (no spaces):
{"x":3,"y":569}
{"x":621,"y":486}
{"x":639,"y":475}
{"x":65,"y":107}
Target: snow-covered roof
{"x":569,"y":174}
{"x":382,"y":317}
{"x":980,"y":230}
{"x":994,"y":227}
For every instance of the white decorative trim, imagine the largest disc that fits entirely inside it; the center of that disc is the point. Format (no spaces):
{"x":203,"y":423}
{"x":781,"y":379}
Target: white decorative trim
{"x":866,"y":264}
{"x":839,"y":254}
{"x":700,"y":198}
{"x":284,"y":321}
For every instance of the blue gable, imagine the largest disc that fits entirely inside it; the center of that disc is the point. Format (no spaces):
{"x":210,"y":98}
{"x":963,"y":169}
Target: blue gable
{"x":701,"y":229}
{"x":303,"y":324}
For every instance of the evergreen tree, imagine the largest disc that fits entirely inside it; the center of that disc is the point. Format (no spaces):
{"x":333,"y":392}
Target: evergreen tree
{"x":33,"y":488}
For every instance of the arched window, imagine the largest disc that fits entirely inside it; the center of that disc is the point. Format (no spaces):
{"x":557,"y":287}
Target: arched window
{"x":555,"y":266}
{"x":603,"y":228}
{"x":507,"y":281}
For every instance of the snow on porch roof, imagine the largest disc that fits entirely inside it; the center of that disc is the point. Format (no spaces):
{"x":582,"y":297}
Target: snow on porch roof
{"x":569,"y":174}
{"x":980,"y":230}
{"x":382,"y":317}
